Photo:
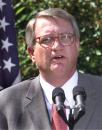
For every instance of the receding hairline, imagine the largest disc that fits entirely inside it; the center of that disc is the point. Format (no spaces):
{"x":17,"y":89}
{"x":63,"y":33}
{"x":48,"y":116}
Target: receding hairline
{"x":55,"y":19}
{"x":55,"y":13}
{"x":59,"y":13}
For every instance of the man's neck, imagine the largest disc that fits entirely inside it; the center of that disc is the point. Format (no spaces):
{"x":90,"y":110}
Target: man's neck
{"x":57,"y":80}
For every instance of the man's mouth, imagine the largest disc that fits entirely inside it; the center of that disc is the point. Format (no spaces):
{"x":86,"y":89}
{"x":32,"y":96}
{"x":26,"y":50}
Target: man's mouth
{"x":58,"y":57}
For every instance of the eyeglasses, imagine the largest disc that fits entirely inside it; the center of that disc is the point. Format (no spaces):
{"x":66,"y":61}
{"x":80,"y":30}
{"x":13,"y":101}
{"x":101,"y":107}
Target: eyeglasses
{"x":66,"y":39}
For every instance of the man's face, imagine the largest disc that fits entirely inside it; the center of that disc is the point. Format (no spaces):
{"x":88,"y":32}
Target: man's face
{"x":55,"y":60}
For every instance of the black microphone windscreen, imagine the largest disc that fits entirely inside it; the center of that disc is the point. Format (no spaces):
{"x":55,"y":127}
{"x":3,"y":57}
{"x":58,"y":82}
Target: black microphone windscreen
{"x":58,"y":92}
{"x":79,"y":91}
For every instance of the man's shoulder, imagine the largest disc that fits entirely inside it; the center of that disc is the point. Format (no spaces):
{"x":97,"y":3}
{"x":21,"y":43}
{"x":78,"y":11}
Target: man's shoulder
{"x":16,"y":87}
{"x":15,"y":92}
{"x":90,"y":81}
{"x":90,"y":77}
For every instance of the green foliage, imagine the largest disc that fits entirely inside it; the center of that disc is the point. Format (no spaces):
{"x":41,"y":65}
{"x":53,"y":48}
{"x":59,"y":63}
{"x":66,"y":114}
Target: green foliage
{"x":88,"y":14}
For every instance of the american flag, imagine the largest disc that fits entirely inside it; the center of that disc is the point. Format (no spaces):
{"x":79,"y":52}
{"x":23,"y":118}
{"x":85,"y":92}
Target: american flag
{"x":9,"y":63}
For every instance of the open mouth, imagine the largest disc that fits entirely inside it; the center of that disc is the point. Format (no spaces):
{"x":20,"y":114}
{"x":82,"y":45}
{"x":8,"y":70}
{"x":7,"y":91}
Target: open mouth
{"x":58,"y":57}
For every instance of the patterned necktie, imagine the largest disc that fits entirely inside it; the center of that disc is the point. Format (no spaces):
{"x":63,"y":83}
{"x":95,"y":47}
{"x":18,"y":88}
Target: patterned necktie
{"x":57,"y":121}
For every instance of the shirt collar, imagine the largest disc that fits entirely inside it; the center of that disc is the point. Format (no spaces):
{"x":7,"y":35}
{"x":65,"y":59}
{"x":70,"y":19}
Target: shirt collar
{"x":67,"y":87}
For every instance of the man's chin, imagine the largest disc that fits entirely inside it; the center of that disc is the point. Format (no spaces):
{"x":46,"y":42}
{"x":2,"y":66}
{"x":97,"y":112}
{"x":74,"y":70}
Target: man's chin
{"x":57,"y":67}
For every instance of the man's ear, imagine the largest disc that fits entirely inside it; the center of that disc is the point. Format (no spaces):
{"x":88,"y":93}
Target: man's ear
{"x":31,"y":53}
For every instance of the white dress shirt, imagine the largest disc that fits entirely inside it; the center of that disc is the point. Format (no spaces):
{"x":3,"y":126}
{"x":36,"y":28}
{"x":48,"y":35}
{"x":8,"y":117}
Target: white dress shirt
{"x":68,"y":89}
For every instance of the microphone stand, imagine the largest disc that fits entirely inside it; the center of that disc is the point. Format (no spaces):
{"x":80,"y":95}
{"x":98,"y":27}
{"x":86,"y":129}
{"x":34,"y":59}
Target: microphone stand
{"x":74,"y":115}
{"x":69,"y":122}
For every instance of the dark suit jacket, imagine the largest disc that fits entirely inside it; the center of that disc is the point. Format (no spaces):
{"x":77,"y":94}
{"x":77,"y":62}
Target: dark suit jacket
{"x":22,"y":106}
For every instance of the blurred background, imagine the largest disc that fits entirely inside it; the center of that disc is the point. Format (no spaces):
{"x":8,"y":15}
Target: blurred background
{"x":88,"y":14}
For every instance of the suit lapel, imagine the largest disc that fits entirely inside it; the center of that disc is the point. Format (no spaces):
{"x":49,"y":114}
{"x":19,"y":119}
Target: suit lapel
{"x":37,"y":107}
{"x":90,"y":105}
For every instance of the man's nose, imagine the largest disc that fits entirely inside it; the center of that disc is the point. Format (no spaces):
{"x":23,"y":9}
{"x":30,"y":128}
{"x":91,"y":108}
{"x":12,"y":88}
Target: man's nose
{"x":57,"y":45}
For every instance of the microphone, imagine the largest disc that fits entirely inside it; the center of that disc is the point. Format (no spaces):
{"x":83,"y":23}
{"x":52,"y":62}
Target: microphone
{"x":79,"y":96}
{"x":58,"y":98}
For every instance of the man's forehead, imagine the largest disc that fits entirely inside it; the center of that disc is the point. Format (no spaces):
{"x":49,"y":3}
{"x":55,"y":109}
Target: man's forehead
{"x":43,"y":20}
{"x":48,"y":25}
